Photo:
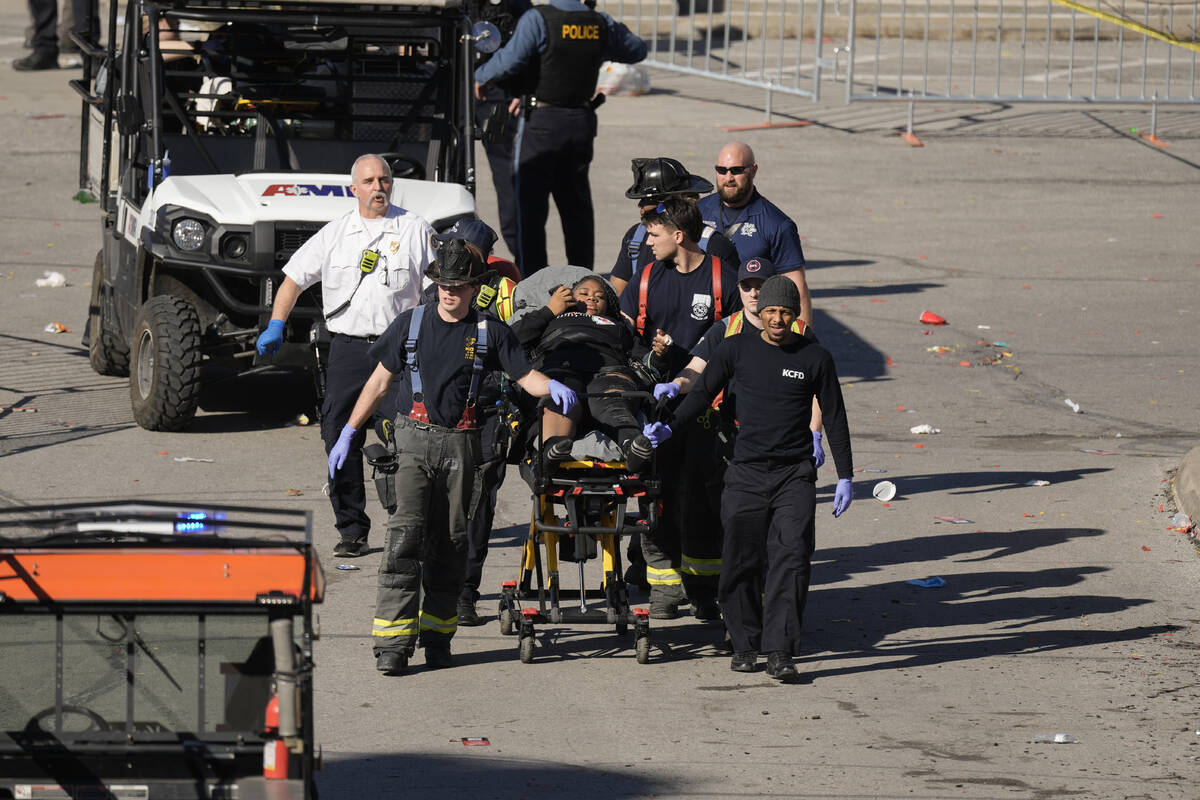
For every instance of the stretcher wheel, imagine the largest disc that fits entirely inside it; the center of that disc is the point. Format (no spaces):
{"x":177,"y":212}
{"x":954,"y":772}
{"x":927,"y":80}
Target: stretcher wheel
{"x":527,"y":650}
{"x":643,"y":650}
{"x":507,"y":627}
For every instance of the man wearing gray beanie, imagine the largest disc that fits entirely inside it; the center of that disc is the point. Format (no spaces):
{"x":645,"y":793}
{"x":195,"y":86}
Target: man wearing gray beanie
{"x":769,"y":499}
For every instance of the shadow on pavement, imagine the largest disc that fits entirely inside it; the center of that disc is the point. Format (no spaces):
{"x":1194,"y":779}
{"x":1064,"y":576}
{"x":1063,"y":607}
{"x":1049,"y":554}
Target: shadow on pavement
{"x":479,"y":772}
{"x":957,"y":483}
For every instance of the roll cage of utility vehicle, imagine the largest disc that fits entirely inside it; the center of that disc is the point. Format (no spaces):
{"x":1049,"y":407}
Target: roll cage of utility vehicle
{"x":218,"y":137}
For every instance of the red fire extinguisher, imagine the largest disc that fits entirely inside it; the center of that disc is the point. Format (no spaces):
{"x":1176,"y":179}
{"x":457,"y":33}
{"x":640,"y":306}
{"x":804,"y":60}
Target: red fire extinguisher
{"x":275,"y":752}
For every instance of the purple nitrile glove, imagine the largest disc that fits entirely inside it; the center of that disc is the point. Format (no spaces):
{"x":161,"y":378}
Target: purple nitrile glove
{"x":657,"y":433}
{"x":270,"y":339}
{"x":563,"y":396}
{"x":842,"y":496}
{"x":665,"y":391}
{"x":818,"y":451}
{"x":341,"y":449}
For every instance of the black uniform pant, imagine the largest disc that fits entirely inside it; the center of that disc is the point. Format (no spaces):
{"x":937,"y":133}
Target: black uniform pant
{"x":44,"y":14}
{"x":610,"y":413}
{"x":479,"y":529}
{"x":425,"y":548}
{"x":498,"y":146}
{"x":768,"y":512}
{"x":683,"y":553}
{"x":552,"y":155}
{"x":347,"y":373}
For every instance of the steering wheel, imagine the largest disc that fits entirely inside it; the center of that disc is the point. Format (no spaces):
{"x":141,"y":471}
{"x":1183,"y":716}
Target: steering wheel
{"x":404,"y":166}
{"x":95,"y":721}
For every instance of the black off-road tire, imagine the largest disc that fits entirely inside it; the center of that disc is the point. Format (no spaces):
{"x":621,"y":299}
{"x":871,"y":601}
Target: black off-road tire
{"x":164,"y":378}
{"x":107,"y":351}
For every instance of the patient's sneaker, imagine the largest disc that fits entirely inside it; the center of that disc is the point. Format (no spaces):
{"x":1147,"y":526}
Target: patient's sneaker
{"x":559,"y":448}
{"x":638,"y":452}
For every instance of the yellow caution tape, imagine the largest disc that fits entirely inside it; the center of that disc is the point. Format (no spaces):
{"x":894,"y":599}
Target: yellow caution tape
{"x":1129,"y":24}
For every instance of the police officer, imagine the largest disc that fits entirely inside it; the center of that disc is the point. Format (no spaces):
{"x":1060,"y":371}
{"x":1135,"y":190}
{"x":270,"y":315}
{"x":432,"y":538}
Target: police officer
{"x":672,"y":302}
{"x":755,"y":225}
{"x":442,"y":351}
{"x":769,"y":499}
{"x":494,"y":114}
{"x":654,"y":180}
{"x":45,"y":32}
{"x":370,"y":263}
{"x":555,"y":54}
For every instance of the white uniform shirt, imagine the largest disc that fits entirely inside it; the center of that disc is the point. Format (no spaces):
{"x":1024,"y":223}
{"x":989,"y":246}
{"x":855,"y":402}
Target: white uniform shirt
{"x":332,"y":256}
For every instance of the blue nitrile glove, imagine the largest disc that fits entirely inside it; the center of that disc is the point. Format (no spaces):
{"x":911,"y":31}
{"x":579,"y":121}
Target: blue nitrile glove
{"x":341,"y":449}
{"x":665,"y":391}
{"x":818,"y":451}
{"x":657,"y":432}
{"x":563,"y":396}
{"x":270,"y":339}
{"x":842,"y":496}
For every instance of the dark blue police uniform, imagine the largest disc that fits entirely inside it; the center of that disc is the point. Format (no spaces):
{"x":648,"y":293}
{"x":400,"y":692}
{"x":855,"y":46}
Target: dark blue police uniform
{"x":555,"y":54}
{"x":758,"y":229}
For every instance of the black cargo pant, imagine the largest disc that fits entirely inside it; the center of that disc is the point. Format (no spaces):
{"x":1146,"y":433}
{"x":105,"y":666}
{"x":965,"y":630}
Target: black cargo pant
{"x":552,"y":154}
{"x":438,"y":487}
{"x":683,"y":553}
{"x":44,"y":14}
{"x":767,"y":509}
{"x":498,"y":146}
{"x":479,"y":529}
{"x":347,"y":373}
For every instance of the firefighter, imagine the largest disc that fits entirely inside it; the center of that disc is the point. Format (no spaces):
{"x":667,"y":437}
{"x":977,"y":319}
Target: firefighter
{"x":441,"y":351}
{"x":769,"y":500}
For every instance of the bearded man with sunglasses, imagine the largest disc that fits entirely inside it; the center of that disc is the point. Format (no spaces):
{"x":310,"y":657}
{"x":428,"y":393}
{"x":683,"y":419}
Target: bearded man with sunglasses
{"x":756,"y":226}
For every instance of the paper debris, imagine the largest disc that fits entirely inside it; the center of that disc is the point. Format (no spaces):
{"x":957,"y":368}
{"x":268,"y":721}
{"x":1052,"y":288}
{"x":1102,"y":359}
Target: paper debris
{"x":53,"y":280}
{"x":924,"y":429}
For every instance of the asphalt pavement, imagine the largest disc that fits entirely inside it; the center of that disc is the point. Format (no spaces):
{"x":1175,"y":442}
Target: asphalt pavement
{"x":1062,"y":251}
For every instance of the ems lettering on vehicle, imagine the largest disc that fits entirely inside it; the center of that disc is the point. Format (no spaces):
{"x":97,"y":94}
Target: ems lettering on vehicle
{"x":306,"y":190}
{"x":581,"y":32}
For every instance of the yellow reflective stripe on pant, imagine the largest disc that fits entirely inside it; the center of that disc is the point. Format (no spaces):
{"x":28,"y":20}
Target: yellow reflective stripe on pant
{"x":432,"y":623}
{"x":399,"y":627}
{"x":662,"y":577}
{"x":700,"y":566}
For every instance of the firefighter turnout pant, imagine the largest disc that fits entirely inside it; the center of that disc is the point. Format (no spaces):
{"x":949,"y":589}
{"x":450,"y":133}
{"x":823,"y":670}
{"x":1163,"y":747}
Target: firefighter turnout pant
{"x":438,"y":486}
{"x":683,"y":553}
{"x":479,"y":530}
{"x":767,"y":509}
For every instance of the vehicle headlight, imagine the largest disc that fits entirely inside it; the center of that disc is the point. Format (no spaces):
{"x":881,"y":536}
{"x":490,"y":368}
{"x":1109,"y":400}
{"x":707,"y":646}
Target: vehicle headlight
{"x":188,"y":234}
{"x":233,"y":246}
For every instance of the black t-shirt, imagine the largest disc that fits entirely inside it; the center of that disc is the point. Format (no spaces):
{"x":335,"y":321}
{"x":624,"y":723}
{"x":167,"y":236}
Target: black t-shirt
{"x":446,"y":358}
{"x":575,"y":341}
{"x":717,"y":244}
{"x":681,"y":304}
{"x":775,"y":388}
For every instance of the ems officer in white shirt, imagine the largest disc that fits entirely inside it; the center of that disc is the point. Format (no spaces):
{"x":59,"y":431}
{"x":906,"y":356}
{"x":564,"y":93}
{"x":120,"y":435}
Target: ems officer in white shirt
{"x":370,"y":262}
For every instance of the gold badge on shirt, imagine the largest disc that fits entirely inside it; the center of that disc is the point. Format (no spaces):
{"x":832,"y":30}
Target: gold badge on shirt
{"x":470,"y":348}
{"x":394,"y":247}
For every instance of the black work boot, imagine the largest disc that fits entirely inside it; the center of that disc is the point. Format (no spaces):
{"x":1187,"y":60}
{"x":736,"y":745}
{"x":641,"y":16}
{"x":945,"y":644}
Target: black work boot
{"x":37,"y":60}
{"x":706,"y":610}
{"x":745,"y":661}
{"x":467,"y":615}
{"x":351,"y":548}
{"x":437,"y":656}
{"x":392,"y":662}
{"x":780,"y":666}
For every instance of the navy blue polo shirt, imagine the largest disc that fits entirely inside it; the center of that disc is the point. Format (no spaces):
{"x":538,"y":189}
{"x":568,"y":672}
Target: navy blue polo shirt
{"x":758,"y":229}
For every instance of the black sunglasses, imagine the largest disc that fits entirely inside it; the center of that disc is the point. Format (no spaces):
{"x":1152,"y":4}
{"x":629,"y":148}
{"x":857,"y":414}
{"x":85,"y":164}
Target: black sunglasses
{"x":738,"y":170}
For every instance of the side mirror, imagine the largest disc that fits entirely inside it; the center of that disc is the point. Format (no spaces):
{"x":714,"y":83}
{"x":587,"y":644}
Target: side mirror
{"x":486,"y":37}
{"x":129,"y":114}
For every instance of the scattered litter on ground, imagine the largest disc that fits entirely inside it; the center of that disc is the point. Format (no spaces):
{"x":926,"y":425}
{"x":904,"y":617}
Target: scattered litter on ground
{"x":1054,"y":738}
{"x":198,"y":460}
{"x":623,"y":79}
{"x":1102,"y":452}
{"x":293,"y":492}
{"x":83,"y":196}
{"x":36,"y":115}
{"x":475,"y":741}
{"x":874,"y":470}
{"x":927,"y":583}
{"x":301,"y":419}
{"x":919,"y":446}
{"x":161,"y":453}
{"x":1147,"y":549}
{"x":1180,"y":522}
{"x":984,"y":327}
{"x":964,"y":363}
{"x":26,"y":409}
{"x":53,"y":280}
{"x":1073,"y":405}
{"x":56,"y":327}
{"x":883,"y":491}
{"x":924,"y":429}
{"x":954,"y":520}
{"x":937,"y":348}
{"x":347,"y":567}
{"x":930,"y":318}
{"x":1037,"y":482}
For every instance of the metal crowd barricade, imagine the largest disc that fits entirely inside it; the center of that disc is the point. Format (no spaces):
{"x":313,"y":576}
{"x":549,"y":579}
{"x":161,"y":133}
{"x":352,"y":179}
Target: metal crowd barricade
{"x":1059,"y":51}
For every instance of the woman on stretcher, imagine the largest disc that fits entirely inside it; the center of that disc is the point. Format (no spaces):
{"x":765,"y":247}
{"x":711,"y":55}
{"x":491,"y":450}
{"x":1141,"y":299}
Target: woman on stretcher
{"x":580,"y":339}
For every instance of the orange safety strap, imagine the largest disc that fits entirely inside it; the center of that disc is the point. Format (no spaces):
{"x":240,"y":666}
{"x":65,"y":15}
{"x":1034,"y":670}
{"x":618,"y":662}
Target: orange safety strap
{"x":716,"y":287}
{"x":643,"y":293}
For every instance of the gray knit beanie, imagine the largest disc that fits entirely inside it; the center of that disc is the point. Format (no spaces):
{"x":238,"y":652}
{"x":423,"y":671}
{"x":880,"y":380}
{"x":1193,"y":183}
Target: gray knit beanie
{"x":779,"y":290}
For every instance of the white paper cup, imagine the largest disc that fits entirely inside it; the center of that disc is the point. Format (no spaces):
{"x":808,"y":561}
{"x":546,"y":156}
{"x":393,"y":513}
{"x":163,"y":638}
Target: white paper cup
{"x":884,"y":491}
